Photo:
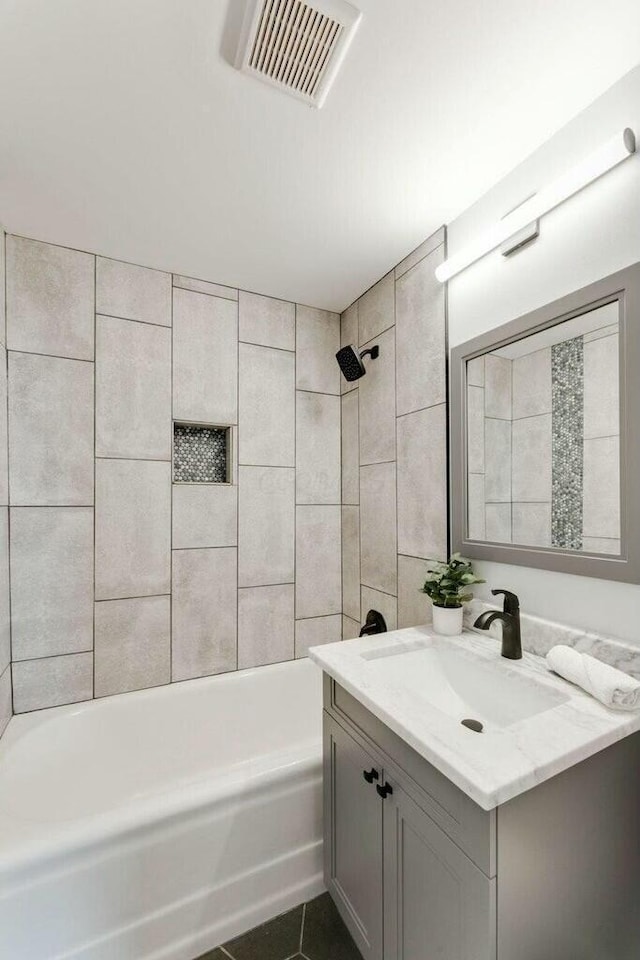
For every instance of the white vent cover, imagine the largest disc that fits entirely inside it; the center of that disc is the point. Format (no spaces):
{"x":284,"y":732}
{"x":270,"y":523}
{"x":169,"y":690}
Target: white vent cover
{"x":297,"y":46}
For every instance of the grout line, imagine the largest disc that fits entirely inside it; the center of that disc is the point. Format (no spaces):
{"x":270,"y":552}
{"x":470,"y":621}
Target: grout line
{"x":145,"y":323}
{"x":142,"y":596}
{"x":49,"y":356}
{"x":95,"y":464}
{"x":134,"y":459}
{"x":268,"y":346}
{"x":55,"y":656}
{"x":6,"y":404}
{"x":234,"y":473}
{"x":171,"y":429}
{"x":226,"y":952}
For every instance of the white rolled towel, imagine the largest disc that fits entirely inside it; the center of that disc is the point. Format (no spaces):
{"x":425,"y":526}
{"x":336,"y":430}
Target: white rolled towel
{"x":608,"y":685}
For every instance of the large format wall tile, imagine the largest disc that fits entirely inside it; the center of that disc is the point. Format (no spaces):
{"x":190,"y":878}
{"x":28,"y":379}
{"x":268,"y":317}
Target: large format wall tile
{"x":349,"y":334}
{"x":133,"y":390}
{"x":204,"y":612}
{"x":422,"y":483}
{"x":531,"y":384}
{"x":50,"y":431}
{"x":269,"y":322}
{"x":51,"y":580}
{"x":350,"y":442}
{"x":350,"y":628}
{"x":265,"y":625}
{"x":132,"y":292}
{"x":50,"y":299}
{"x":475,"y":429}
{"x":4,"y":437}
{"x":475,"y":506}
{"x":384,"y":603}
{"x":497,"y":387}
{"x":414,"y":607}
{"x":376,"y":308}
{"x":318,"y":561}
{"x":267,"y":406}
{"x":377,"y":405}
{"x":5,"y":611}
{"x":601,"y":387}
{"x":52,"y":681}
{"x":420,"y":336}
{"x":133,"y":644}
{"x":6,"y":704}
{"x":266,"y":536}
{"x":316,"y":631}
{"x":317,"y":342}
{"x":497,"y":463}
{"x":133,"y":528}
{"x":498,"y":522}
{"x":205,"y":358}
{"x":205,"y":515}
{"x":317,"y":448}
{"x":351,"y":562}
{"x":531,"y":524}
{"x":601,"y":490}
{"x":378,"y":536}
{"x":531,"y":459}
{"x":349,"y":337}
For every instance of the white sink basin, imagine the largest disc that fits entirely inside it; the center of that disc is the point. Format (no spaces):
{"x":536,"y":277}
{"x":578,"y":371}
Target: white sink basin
{"x":461,"y":684}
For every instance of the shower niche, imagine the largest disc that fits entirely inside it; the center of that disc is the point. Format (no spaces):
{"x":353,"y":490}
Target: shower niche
{"x":201,"y":453}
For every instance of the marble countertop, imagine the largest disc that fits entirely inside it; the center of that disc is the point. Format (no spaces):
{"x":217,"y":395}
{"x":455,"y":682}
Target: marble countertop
{"x":502,"y":762}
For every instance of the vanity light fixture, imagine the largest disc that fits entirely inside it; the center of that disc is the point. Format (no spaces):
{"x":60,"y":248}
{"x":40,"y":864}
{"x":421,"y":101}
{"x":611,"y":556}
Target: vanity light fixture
{"x":609,"y":155}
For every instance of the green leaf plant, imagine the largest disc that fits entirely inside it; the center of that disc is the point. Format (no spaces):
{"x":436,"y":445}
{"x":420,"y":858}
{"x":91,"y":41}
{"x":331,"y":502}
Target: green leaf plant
{"x":447,"y":583}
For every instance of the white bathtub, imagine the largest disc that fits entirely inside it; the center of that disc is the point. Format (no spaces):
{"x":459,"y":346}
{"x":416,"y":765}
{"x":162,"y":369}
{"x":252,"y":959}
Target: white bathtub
{"x":156,"y":825}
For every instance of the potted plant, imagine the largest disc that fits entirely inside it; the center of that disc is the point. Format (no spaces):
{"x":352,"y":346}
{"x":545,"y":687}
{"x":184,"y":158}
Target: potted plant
{"x":447,"y":587}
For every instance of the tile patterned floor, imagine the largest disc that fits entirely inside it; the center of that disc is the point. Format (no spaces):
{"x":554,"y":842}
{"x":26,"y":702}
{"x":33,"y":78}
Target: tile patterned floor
{"x":312,"y":931}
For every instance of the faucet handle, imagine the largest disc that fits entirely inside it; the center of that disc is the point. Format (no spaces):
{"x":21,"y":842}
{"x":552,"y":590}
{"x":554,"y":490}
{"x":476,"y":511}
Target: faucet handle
{"x":511,"y":602}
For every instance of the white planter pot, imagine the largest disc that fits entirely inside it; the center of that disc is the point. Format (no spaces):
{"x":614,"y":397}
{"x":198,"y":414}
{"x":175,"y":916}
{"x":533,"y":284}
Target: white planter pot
{"x":447,"y":621}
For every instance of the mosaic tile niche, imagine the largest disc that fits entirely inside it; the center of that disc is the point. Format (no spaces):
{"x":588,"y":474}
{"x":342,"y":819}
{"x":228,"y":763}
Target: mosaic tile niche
{"x":567,"y":391}
{"x":200,"y":454}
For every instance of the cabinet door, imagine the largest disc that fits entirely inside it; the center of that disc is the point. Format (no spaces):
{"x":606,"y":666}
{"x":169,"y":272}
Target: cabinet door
{"x":438,"y":904}
{"x":353,"y":837}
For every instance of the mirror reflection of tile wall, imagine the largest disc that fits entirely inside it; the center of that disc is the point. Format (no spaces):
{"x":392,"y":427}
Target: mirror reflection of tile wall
{"x":544,"y":438}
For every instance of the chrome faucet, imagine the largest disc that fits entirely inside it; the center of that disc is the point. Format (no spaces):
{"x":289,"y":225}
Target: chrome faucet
{"x":510,"y":617}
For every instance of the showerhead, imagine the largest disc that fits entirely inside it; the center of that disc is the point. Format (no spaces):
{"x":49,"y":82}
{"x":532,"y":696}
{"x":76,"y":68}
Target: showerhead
{"x":350,"y":361}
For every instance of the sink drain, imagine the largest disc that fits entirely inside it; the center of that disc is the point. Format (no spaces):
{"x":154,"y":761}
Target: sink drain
{"x":474,"y":725}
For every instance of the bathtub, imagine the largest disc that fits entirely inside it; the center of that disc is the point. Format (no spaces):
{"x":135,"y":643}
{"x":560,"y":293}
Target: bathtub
{"x":156,"y":825}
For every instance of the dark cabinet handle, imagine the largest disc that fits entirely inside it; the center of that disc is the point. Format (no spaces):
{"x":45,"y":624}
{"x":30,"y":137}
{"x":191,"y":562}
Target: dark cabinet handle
{"x":385,"y":790}
{"x":371,"y":775}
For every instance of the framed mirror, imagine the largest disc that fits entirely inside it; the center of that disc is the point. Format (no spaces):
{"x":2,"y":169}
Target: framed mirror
{"x":545,"y":436}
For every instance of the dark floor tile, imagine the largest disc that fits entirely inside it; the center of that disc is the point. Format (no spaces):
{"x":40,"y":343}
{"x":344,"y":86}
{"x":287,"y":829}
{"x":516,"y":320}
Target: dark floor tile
{"x":277,"y":939}
{"x":325,"y":936}
{"x":216,"y":954}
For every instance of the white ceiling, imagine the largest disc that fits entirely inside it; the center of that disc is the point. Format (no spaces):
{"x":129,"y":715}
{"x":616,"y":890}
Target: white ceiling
{"x":124,"y":130}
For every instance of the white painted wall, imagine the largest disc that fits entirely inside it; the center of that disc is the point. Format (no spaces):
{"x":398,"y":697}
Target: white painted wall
{"x":590,"y":236}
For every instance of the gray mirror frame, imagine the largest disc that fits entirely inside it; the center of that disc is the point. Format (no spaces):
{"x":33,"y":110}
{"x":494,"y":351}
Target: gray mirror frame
{"x":624,"y":287}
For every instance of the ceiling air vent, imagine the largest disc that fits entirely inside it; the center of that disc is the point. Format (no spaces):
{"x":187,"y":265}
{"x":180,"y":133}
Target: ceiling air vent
{"x":297,"y":46}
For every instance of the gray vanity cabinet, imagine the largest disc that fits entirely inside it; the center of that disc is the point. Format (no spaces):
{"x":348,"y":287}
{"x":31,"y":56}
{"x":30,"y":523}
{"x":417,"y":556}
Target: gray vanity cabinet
{"x":404,"y":887}
{"x":415,"y":867}
{"x":437,"y":902}
{"x":353,"y":851}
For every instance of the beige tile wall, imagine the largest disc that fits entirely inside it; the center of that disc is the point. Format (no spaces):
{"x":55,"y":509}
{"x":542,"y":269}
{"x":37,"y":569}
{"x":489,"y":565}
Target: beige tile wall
{"x":394,"y":444}
{"x":121,"y":579}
